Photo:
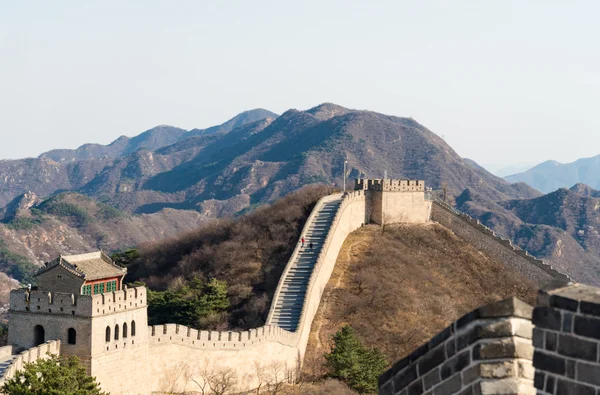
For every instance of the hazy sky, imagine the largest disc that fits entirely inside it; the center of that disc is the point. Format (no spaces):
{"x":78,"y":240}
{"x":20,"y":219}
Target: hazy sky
{"x":503,"y":81}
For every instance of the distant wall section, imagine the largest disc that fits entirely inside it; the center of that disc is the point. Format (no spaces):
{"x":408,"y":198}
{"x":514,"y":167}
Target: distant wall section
{"x":484,"y":239}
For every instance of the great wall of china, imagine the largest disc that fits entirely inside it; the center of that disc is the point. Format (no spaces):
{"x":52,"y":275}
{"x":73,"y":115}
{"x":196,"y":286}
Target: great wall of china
{"x":162,"y":358}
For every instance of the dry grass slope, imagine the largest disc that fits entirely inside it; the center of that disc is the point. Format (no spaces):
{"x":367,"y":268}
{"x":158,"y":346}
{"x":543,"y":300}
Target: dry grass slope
{"x":400,"y":288}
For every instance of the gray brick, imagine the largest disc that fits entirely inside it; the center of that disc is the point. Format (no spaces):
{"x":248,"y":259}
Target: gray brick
{"x":431,"y":378}
{"x":590,"y":308}
{"x":538,"y":338}
{"x":450,"y":348}
{"x":567,"y":325}
{"x":551,"y":340}
{"x":546,"y":317}
{"x":588,"y":373}
{"x":570,"y":371}
{"x":550,"y":382}
{"x":577,"y":348}
{"x":405,"y":377}
{"x":470,"y":374}
{"x":586,"y":326}
{"x":467,"y":391}
{"x":415,"y":388}
{"x":448,"y":387}
{"x":569,"y":387}
{"x":456,"y":364}
{"x":539,"y":380}
{"x":431,"y":360}
{"x":386,"y":389}
{"x":563,"y":303}
{"x":548,"y":363}
{"x":466,"y":339}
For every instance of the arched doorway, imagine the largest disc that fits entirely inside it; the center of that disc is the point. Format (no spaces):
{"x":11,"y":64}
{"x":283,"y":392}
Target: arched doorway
{"x":39,"y":335}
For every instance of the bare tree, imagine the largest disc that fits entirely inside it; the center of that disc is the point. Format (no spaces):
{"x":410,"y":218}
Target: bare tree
{"x":272,"y":377}
{"x":212,"y":379}
{"x":172,"y":378}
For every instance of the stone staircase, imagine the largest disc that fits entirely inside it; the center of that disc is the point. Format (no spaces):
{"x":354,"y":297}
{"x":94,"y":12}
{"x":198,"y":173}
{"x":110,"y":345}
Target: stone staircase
{"x":5,"y":363}
{"x":288,"y":306}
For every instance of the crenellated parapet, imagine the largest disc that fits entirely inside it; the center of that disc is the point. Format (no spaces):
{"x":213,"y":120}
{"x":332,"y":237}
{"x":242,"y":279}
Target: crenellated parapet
{"x":213,"y":340}
{"x":44,"y":302}
{"x":510,"y":254}
{"x":28,"y":356}
{"x":389,"y":185}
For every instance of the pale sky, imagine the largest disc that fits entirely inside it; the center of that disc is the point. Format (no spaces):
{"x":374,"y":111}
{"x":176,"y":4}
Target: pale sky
{"x":505,"y":82}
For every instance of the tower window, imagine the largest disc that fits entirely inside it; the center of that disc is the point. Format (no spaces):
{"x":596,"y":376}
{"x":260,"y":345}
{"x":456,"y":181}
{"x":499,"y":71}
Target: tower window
{"x":132,"y":328}
{"x":71,"y":336}
{"x":117,"y":332}
{"x":107,"y":334}
{"x":124,"y":330}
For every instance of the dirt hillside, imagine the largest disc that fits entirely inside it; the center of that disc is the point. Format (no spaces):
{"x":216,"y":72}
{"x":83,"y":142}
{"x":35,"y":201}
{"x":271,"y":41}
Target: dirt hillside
{"x":400,"y":288}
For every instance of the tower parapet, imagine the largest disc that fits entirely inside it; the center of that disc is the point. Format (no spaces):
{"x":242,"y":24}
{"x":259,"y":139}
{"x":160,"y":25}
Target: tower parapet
{"x":61,"y":303}
{"x":390,"y":185}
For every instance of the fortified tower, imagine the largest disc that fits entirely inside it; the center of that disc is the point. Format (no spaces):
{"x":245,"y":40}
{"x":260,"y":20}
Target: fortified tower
{"x":395,"y":201}
{"x":81,"y":301}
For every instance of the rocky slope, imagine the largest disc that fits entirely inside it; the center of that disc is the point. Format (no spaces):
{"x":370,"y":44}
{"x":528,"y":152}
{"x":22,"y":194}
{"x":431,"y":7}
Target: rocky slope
{"x":263,"y":160}
{"x":69,"y":170}
{"x":71,"y":223}
{"x":551,"y":175}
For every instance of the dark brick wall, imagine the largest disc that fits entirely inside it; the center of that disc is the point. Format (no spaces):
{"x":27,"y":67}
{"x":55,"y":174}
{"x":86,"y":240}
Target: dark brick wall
{"x":567,"y":341}
{"x":486,"y":351}
{"x":502,"y":250}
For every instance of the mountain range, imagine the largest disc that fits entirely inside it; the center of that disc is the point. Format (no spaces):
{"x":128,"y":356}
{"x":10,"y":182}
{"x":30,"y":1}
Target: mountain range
{"x":552,"y":175}
{"x":168,"y":179}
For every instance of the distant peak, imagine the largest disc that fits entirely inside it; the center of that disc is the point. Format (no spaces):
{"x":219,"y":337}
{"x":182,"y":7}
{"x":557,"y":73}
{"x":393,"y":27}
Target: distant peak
{"x":327,"y":110}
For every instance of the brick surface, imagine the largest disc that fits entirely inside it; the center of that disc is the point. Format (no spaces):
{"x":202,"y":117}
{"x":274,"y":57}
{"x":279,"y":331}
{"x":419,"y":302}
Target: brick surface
{"x":587,"y":326}
{"x":546,"y":317}
{"x":563,"y":303}
{"x":450,"y":348}
{"x":588,"y":373}
{"x":415,"y":388}
{"x":448,"y":387}
{"x":577,"y":348}
{"x":550,"y":382}
{"x":570,"y":388}
{"x":456,"y":364}
{"x":589,"y":308}
{"x":431,"y":360}
{"x":548,"y":363}
{"x":405,"y":377}
{"x":432,"y":378}
{"x":539,"y":380}
{"x":551,"y":341}
{"x":567,"y":324}
{"x":538,"y":337}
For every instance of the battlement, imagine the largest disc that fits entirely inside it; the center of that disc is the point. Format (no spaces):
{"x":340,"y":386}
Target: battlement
{"x":42,"y":302}
{"x":182,"y":335}
{"x":28,"y":356}
{"x":389,"y":185}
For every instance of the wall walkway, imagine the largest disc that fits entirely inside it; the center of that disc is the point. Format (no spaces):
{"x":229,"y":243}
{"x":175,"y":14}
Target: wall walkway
{"x":484,"y":239}
{"x":176,"y":351}
{"x":11,"y":364}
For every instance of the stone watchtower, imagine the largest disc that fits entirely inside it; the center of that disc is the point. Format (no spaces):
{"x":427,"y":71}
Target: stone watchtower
{"x":395,"y":201}
{"x":81,"y":301}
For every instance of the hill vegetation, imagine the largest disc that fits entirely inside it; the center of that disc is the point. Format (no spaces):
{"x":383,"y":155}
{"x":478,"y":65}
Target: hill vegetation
{"x":400,"y":288}
{"x":247,"y":253}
